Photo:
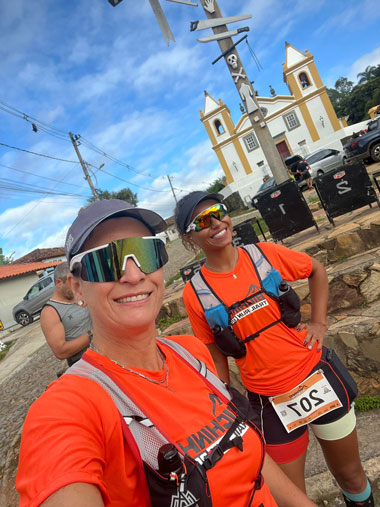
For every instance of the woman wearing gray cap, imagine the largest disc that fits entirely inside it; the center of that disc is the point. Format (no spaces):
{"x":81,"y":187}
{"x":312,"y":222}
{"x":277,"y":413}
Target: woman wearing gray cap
{"x":240,"y":305}
{"x":139,"y":420}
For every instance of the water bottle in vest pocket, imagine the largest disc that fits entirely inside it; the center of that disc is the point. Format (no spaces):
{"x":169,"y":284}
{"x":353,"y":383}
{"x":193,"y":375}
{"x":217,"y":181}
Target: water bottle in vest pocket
{"x":290,"y":305}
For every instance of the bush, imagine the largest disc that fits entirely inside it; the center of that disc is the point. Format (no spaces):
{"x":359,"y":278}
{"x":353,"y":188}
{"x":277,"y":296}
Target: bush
{"x":365,"y":403}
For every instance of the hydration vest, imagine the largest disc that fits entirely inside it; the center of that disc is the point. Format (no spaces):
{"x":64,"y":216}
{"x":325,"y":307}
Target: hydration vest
{"x":234,"y":318}
{"x":145,"y":439}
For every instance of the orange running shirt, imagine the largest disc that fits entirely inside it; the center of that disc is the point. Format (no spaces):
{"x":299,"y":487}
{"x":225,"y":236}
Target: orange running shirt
{"x":73,"y":433}
{"x":277,"y":360}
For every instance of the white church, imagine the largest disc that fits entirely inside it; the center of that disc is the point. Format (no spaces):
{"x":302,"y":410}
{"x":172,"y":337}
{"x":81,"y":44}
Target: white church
{"x":300,"y":123}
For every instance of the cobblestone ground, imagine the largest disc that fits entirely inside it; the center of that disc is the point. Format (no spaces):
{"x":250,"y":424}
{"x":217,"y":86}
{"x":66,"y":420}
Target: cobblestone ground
{"x":19,"y":391}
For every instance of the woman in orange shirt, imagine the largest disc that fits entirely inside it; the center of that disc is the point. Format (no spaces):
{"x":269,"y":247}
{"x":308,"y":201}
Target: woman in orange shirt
{"x":240,"y":305}
{"x":139,"y":420}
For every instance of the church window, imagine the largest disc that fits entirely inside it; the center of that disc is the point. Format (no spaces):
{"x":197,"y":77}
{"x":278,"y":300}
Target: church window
{"x":251,"y":142}
{"x":291,"y":121}
{"x":219,"y":127}
{"x":304,"y":80}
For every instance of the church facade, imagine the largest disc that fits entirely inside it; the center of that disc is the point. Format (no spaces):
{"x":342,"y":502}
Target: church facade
{"x":300,"y":123}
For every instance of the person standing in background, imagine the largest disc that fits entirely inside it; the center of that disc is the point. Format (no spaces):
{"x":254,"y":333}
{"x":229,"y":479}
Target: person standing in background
{"x":65,"y":324}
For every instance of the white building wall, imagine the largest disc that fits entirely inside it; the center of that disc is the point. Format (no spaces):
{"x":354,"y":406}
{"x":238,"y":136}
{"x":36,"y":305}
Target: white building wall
{"x":12,"y":290}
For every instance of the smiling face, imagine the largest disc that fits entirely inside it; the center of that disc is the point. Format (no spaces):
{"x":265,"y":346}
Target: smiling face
{"x":130,"y":304}
{"x":215,"y":237}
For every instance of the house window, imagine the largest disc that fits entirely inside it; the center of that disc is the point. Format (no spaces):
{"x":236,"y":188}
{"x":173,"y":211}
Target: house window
{"x":304,"y":80}
{"x":219,"y":127}
{"x":251,"y":142}
{"x":291,"y":121}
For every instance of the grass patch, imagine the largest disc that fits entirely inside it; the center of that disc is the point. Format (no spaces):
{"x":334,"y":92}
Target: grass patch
{"x":365,"y":403}
{"x":263,"y":225}
{"x":165,"y":323}
{"x":4,"y":351}
{"x":312,"y":198}
{"x":341,"y":259}
{"x":173,"y":278}
{"x":238,"y":212}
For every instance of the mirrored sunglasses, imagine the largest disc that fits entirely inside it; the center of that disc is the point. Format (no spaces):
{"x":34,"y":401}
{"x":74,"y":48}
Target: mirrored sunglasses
{"x":203,"y":220}
{"x":107,"y":263}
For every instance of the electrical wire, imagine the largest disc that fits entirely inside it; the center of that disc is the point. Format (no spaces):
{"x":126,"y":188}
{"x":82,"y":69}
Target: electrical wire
{"x":40,"y":154}
{"x":91,"y":146}
{"x":20,"y":114}
{"x":254,"y":56}
{"x":43,"y":177}
{"x":130,"y":183}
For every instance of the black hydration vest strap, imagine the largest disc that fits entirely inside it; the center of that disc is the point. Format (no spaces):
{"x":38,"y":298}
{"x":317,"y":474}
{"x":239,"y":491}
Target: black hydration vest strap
{"x":252,"y":337}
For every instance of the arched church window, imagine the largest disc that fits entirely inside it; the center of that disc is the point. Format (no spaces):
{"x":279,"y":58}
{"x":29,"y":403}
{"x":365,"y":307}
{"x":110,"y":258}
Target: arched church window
{"x":304,"y":80}
{"x":219,"y":127}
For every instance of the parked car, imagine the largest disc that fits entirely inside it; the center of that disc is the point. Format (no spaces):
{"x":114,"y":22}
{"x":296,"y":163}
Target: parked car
{"x":32,"y":303}
{"x":322,"y":161}
{"x":365,"y":146}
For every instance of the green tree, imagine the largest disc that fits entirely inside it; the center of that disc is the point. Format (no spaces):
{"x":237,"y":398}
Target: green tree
{"x":340,"y":96}
{"x":5,"y":259}
{"x":125,"y":194}
{"x":369,"y":73}
{"x":217,"y":185}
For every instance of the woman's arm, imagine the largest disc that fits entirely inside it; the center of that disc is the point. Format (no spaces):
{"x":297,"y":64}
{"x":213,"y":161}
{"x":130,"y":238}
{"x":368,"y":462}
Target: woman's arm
{"x":79,"y":494}
{"x":319,"y":289}
{"x":283,"y":490}
{"x":221,"y":362}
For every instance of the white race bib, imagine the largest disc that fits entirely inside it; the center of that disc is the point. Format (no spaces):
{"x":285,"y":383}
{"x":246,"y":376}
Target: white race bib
{"x":309,"y":400}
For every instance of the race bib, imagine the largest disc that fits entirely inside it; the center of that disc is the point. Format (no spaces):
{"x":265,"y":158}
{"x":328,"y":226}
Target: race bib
{"x":309,"y":400}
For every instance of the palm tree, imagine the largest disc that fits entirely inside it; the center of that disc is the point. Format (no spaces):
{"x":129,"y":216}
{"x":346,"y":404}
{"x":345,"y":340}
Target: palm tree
{"x":369,"y":72}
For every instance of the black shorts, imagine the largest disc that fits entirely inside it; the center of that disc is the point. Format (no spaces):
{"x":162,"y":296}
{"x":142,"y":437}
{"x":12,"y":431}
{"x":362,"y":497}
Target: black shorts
{"x":340,"y":380}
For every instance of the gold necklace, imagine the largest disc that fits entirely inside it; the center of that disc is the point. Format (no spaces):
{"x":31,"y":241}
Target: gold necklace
{"x":164,"y":382}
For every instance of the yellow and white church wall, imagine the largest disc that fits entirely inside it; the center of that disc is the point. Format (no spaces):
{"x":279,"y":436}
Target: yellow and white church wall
{"x":300,"y":123}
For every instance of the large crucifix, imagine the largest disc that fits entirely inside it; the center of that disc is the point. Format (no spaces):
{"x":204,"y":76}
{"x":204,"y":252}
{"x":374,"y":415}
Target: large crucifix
{"x":223,"y":36}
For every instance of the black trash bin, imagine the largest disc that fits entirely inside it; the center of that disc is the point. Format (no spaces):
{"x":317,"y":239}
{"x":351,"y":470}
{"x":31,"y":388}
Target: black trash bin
{"x":244,"y":234}
{"x":284,"y":210}
{"x":345,"y":189}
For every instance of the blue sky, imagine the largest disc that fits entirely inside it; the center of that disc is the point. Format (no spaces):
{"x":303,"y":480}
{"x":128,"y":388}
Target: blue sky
{"x":107,"y":74}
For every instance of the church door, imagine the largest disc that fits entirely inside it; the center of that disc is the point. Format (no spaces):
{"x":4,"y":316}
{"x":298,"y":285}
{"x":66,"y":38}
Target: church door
{"x":283,"y":149}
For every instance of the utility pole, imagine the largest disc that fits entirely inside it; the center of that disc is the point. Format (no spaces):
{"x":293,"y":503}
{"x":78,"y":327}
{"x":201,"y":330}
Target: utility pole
{"x":87,"y":177}
{"x":171,"y":186}
{"x":247,"y":94}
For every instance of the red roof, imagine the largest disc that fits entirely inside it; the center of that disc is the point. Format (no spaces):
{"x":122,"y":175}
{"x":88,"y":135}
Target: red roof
{"x":41,"y":254}
{"x":10,"y":270}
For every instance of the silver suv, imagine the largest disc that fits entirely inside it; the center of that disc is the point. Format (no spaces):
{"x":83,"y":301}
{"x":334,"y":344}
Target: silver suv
{"x":34,"y":300}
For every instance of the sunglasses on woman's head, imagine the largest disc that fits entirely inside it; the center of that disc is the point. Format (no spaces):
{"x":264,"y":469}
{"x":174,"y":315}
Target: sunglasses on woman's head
{"x":107,"y":263}
{"x":203,"y":220}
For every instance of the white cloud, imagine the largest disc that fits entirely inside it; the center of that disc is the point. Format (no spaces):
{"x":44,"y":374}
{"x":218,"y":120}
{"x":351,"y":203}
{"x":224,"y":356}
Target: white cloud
{"x":34,"y":223}
{"x":372,"y":58}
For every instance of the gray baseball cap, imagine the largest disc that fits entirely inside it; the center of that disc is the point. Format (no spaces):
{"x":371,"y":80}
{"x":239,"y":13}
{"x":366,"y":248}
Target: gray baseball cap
{"x":90,"y":217}
{"x":187,"y":205}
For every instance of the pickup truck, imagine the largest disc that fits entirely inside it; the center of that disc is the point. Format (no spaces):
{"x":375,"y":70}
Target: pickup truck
{"x":366,"y":146}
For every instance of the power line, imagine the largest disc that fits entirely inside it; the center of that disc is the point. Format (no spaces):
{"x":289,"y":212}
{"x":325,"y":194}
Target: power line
{"x":129,"y":183}
{"x":91,"y":146}
{"x":5,"y":183}
{"x":40,"y":154}
{"x":39,"y":176}
{"x":23,"y":116}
